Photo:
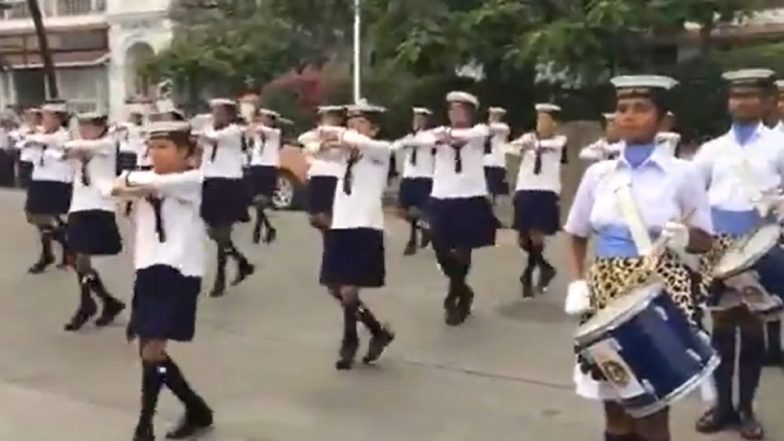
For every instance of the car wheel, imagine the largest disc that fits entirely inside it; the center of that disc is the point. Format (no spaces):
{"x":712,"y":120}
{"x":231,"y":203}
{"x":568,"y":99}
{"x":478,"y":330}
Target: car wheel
{"x":286,"y":193}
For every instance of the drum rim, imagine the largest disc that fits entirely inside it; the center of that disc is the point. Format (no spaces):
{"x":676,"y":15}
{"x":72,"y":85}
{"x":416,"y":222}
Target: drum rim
{"x":584,"y":337}
{"x":738,"y":270}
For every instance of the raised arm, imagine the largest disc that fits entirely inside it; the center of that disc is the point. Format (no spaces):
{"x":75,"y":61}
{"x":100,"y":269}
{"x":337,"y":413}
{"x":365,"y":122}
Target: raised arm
{"x":100,"y":147}
{"x":185,"y":186}
{"x":365,"y":144}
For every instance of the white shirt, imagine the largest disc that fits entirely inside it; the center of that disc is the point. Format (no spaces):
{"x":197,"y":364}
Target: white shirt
{"x":225,"y":158}
{"x":600,"y":150}
{"x":736,"y":174}
{"x":322,"y":163}
{"x":101,"y":172}
{"x":185,"y":246}
{"x":266,"y":150}
{"x":419,"y":155}
{"x":131,"y":139}
{"x":363,"y":207}
{"x":48,"y":160}
{"x":448,"y":182}
{"x":20,"y":136}
{"x":549,"y":176}
{"x":500,"y":136}
{"x":668,"y":141}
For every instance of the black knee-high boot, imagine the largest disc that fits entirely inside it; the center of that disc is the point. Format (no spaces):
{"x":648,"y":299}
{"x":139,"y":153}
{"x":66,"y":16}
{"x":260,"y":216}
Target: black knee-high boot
{"x":219,"y":287}
{"x":546,"y":271}
{"x":752,"y":352}
{"x":381,"y":336}
{"x":244,"y":268}
{"x":350,"y":341}
{"x":773,"y":353}
{"x":411,"y":245}
{"x":111,"y":306}
{"x":198,"y":415}
{"x":151,"y":389}
{"x":86,"y":309}
{"x":46,"y":257}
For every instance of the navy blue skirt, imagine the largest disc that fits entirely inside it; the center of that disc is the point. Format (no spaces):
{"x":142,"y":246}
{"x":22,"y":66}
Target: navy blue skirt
{"x":93,"y":232}
{"x":224,"y":201}
{"x":263,"y":180}
{"x":462,"y":223}
{"x":537,"y":210}
{"x":48,"y":197}
{"x":126,"y":160}
{"x":321,"y":194}
{"x":496,"y":180}
{"x":164,"y":304}
{"x":353,"y":257}
{"x":415,"y":192}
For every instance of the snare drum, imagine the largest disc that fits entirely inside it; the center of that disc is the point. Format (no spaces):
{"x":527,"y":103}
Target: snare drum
{"x":647,"y":350}
{"x":744,"y":253}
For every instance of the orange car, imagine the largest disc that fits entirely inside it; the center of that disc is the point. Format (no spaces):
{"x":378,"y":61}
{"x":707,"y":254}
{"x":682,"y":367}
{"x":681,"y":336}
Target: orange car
{"x":292,"y":176}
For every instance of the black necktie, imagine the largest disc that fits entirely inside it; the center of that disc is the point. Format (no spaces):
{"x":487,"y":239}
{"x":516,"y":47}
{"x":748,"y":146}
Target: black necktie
{"x":156,"y":204}
{"x":43,"y":150}
{"x":348,"y":177}
{"x":413,"y":152}
{"x":537,"y":158}
{"x":85,"y":173}
{"x":489,"y":145}
{"x":215,"y":146}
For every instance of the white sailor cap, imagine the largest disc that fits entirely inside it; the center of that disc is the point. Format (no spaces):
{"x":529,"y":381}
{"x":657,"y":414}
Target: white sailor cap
{"x":641,"y":85}
{"x":285,"y":121}
{"x":269,"y":112}
{"x":749,"y":77}
{"x":422,"y":111}
{"x":227,"y":102}
{"x":89,"y":117}
{"x":670,"y":114}
{"x":547,"y":108}
{"x":165,"y":129}
{"x":609,"y":116}
{"x":363,"y":108}
{"x":497,"y":110}
{"x":33,"y":110}
{"x":55,"y":107}
{"x":462,"y":97}
{"x":331,"y":109}
{"x":780,"y":85}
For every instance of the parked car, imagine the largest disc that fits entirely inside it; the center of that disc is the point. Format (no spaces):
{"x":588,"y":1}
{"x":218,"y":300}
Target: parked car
{"x":292,"y":176}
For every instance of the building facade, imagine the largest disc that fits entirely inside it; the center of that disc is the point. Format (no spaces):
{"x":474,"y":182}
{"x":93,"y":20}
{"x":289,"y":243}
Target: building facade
{"x":97,"y":47}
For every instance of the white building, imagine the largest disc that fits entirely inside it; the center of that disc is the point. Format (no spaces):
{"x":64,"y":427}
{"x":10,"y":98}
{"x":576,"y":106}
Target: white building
{"x":97,"y":46}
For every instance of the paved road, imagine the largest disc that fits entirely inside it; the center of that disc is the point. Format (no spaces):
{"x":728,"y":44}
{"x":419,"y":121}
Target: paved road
{"x":263,"y":355}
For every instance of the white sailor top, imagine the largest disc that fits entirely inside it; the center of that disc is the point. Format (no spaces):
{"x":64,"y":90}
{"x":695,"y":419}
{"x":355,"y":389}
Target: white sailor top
{"x":322,"y":163}
{"x":131,"y":140}
{"x":169,"y":227}
{"x":224,"y":158}
{"x":93,"y":179}
{"x":266,"y":147}
{"x":419,"y":155}
{"x":540,"y":167}
{"x":668,"y":141}
{"x":459,"y":172}
{"x":20,"y":137}
{"x":48,"y":156}
{"x":359,"y":193}
{"x":495,"y":147}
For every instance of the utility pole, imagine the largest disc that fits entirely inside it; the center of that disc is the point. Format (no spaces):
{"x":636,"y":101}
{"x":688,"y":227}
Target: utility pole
{"x":43,"y":45}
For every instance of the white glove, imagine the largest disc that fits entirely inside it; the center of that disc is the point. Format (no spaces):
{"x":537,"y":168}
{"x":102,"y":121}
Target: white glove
{"x":578,"y":298}
{"x":676,"y":234}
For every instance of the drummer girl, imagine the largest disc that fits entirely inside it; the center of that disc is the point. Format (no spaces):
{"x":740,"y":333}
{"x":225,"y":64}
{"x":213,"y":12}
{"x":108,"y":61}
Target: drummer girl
{"x":666,"y":200}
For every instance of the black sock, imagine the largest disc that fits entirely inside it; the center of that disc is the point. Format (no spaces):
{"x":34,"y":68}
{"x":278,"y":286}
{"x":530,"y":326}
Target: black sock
{"x":773,"y":331}
{"x":752,"y":353}
{"x":151,"y":389}
{"x":220,"y":274}
{"x":96,"y":285}
{"x":264,"y":218}
{"x":412,"y":234}
{"x":724,"y":342}
{"x":368,"y":319}
{"x":232,"y":251}
{"x":350,"y":322}
{"x":85,"y":296}
{"x":46,"y":242}
{"x":259,"y":218}
{"x":178,"y":385}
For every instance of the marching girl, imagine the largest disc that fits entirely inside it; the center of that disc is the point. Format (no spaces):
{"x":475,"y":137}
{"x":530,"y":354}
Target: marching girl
{"x":264,"y":163}
{"x":49,"y":193}
{"x":354,"y":244}
{"x":170,"y":264}
{"x":462,"y":218}
{"x":417,"y":182}
{"x":92,"y":229}
{"x":657,"y":189}
{"x":495,"y":153}
{"x":604,"y":148}
{"x":225,"y":193}
{"x":30,"y":125}
{"x":537,"y":196}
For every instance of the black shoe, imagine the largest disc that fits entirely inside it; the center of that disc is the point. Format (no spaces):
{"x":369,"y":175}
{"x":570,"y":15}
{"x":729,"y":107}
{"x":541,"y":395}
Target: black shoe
{"x":750,"y":427}
{"x":410,"y":249}
{"x":528,"y":286}
{"x":144,"y":433}
{"x":717,"y":420}
{"x":348,"y":350}
{"x":244,"y":270}
{"x":219,"y":288}
{"x":546,"y":276}
{"x":111,"y":309}
{"x":81,"y":316}
{"x":451,"y":309}
{"x":270,"y":235}
{"x":378,"y":343}
{"x":197,"y":419}
{"x":465,"y":302}
{"x":41,"y":265}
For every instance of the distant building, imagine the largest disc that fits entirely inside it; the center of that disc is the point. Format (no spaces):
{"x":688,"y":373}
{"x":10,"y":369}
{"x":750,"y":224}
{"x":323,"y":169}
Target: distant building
{"x":97,"y":46}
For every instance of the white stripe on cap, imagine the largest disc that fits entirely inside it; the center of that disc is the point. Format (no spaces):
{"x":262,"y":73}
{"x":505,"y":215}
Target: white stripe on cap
{"x":748,"y":75}
{"x":222,"y":102}
{"x":547,"y":107}
{"x":462,"y":97}
{"x":643,"y":81}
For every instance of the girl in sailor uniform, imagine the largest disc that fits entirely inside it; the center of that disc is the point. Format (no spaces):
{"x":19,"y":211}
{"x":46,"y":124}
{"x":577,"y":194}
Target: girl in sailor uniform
{"x":462,"y":218}
{"x":324,"y":170}
{"x":92,"y":229}
{"x":495,"y":153}
{"x":264,"y":163}
{"x":417,"y":182}
{"x":666,"y":199}
{"x":49,"y":193}
{"x":604,"y":148}
{"x":537,"y":197}
{"x":129,"y":137}
{"x":225,"y":199}
{"x":354,"y":244}
{"x":170,"y":260}
{"x":31,"y":125}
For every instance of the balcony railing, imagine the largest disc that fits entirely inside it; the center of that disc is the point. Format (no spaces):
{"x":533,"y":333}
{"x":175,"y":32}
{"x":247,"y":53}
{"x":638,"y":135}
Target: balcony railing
{"x":56,"y":8}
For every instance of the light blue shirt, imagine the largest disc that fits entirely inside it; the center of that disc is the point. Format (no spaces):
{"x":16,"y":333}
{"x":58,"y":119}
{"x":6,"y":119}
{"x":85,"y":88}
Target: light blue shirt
{"x":664,"y":188}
